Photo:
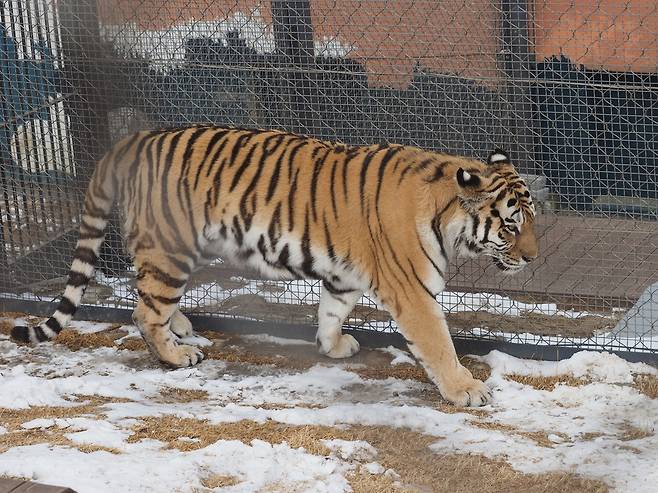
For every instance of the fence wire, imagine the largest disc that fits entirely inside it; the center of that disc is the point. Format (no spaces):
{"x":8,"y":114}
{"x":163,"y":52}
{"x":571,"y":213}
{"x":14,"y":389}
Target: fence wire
{"x":568,"y":87}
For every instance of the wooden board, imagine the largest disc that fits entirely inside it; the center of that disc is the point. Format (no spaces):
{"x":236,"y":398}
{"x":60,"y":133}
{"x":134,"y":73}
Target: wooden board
{"x":22,"y":486}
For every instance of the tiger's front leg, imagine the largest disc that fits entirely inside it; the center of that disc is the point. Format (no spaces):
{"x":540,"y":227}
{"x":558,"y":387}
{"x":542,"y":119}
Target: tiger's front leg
{"x":423,"y":325}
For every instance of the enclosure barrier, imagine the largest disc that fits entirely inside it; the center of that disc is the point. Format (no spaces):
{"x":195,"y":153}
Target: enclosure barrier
{"x":568,"y":88}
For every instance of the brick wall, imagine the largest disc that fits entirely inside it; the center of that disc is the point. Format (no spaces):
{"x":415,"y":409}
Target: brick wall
{"x":446,"y":36}
{"x":600,"y":34}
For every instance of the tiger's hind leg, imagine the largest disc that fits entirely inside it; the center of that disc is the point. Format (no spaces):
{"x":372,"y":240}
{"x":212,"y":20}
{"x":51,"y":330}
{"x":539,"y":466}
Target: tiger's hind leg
{"x":334,"y":309}
{"x":160,"y":285}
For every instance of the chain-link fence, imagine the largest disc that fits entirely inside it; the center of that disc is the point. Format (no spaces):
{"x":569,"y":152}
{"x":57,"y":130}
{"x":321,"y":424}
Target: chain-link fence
{"x":568,"y":87}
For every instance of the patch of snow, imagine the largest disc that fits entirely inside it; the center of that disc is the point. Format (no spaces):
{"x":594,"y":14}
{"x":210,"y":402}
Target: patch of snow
{"x":280,"y":341}
{"x":85,"y":327}
{"x":597,"y":366}
{"x":188,"y":439}
{"x":257,"y":465}
{"x":101,"y":433}
{"x":50,"y":375}
{"x":132,"y":331}
{"x":196,"y":340}
{"x":399,"y":356}
{"x":355,"y":450}
{"x":40,"y":423}
{"x":374,"y":468}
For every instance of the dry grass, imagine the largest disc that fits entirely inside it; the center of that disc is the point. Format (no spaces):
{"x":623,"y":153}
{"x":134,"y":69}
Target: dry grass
{"x":540,"y":437}
{"x":133,"y":344}
{"x":15,"y":478}
{"x":231,"y":355}
{"x":6,"y":325}
{"x":647,"y":384}
{"x":171,"y":394}
{"x":12,"y":419}
{"x":630,"y":432}
{"x":547,"y":383}
{"x":403,"y":371}
{"x":75,"y":341}
{"x":406,"y":371}
{"x":402,"y":450}
{"x":407,"y":453}
{"x":363,"y":482}
{"x":446,"y":408}
{"x":219,"y":481}
{"x":590,"y":435}
{"x":214,"y":335}
{"x":52,"y":436}
{"x":460,"y":473}
{"x":633,"y":450}
{"x":168,"y":429}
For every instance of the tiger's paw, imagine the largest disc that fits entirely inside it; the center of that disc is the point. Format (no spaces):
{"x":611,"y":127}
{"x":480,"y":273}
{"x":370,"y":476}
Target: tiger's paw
{"x":183,"y":356}
{"x":345,"y":347}
{"x":469,"y":393}
{"x":180,"y":325}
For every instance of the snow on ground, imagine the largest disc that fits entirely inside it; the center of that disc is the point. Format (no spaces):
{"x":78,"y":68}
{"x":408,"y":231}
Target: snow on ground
{"x":595,"y":424}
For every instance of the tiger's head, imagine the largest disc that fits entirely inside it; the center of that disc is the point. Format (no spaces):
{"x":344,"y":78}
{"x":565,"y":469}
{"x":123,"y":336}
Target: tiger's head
{"x":498,"y":214}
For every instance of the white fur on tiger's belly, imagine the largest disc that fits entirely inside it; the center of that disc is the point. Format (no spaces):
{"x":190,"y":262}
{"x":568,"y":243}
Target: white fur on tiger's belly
{"x":232,"y":252}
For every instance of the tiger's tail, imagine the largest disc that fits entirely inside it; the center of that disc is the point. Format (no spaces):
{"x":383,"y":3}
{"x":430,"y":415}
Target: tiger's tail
{"x":96,"y":212}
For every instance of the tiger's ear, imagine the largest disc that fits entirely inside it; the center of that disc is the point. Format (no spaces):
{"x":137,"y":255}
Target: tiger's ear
{"x":468,"y":179}
{"x":498,"y":156}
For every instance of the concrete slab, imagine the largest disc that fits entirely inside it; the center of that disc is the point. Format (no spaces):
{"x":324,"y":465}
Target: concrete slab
{"x":642,"y":319}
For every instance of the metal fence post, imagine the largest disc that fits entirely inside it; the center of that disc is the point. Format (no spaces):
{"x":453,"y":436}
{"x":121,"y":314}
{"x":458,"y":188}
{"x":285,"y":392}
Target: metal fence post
{"x":5,"y":280}
{"x":81,"y":46}
{"x":293,"y":34}
{"x":518,"y":62}
{"x":86,"y":69}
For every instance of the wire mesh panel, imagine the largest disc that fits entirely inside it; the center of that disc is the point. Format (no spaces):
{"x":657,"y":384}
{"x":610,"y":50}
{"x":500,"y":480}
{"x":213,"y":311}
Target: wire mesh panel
{"x":569,"y":88}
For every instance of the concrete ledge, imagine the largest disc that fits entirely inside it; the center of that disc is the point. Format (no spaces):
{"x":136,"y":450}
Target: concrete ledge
{"x":367,"y":338}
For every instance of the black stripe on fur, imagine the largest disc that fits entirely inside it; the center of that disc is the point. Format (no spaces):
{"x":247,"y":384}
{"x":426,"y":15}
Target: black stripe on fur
{"x":77,"y":279}
{"x":20,"y":333}
{"x":54,"y":325}
{"x":86,"y":255}
{"x":40,"y":334}
{"x":66,"y":306}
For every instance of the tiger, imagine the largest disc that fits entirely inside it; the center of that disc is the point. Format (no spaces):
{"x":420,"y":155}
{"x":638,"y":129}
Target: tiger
{"x":383,"y":219}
